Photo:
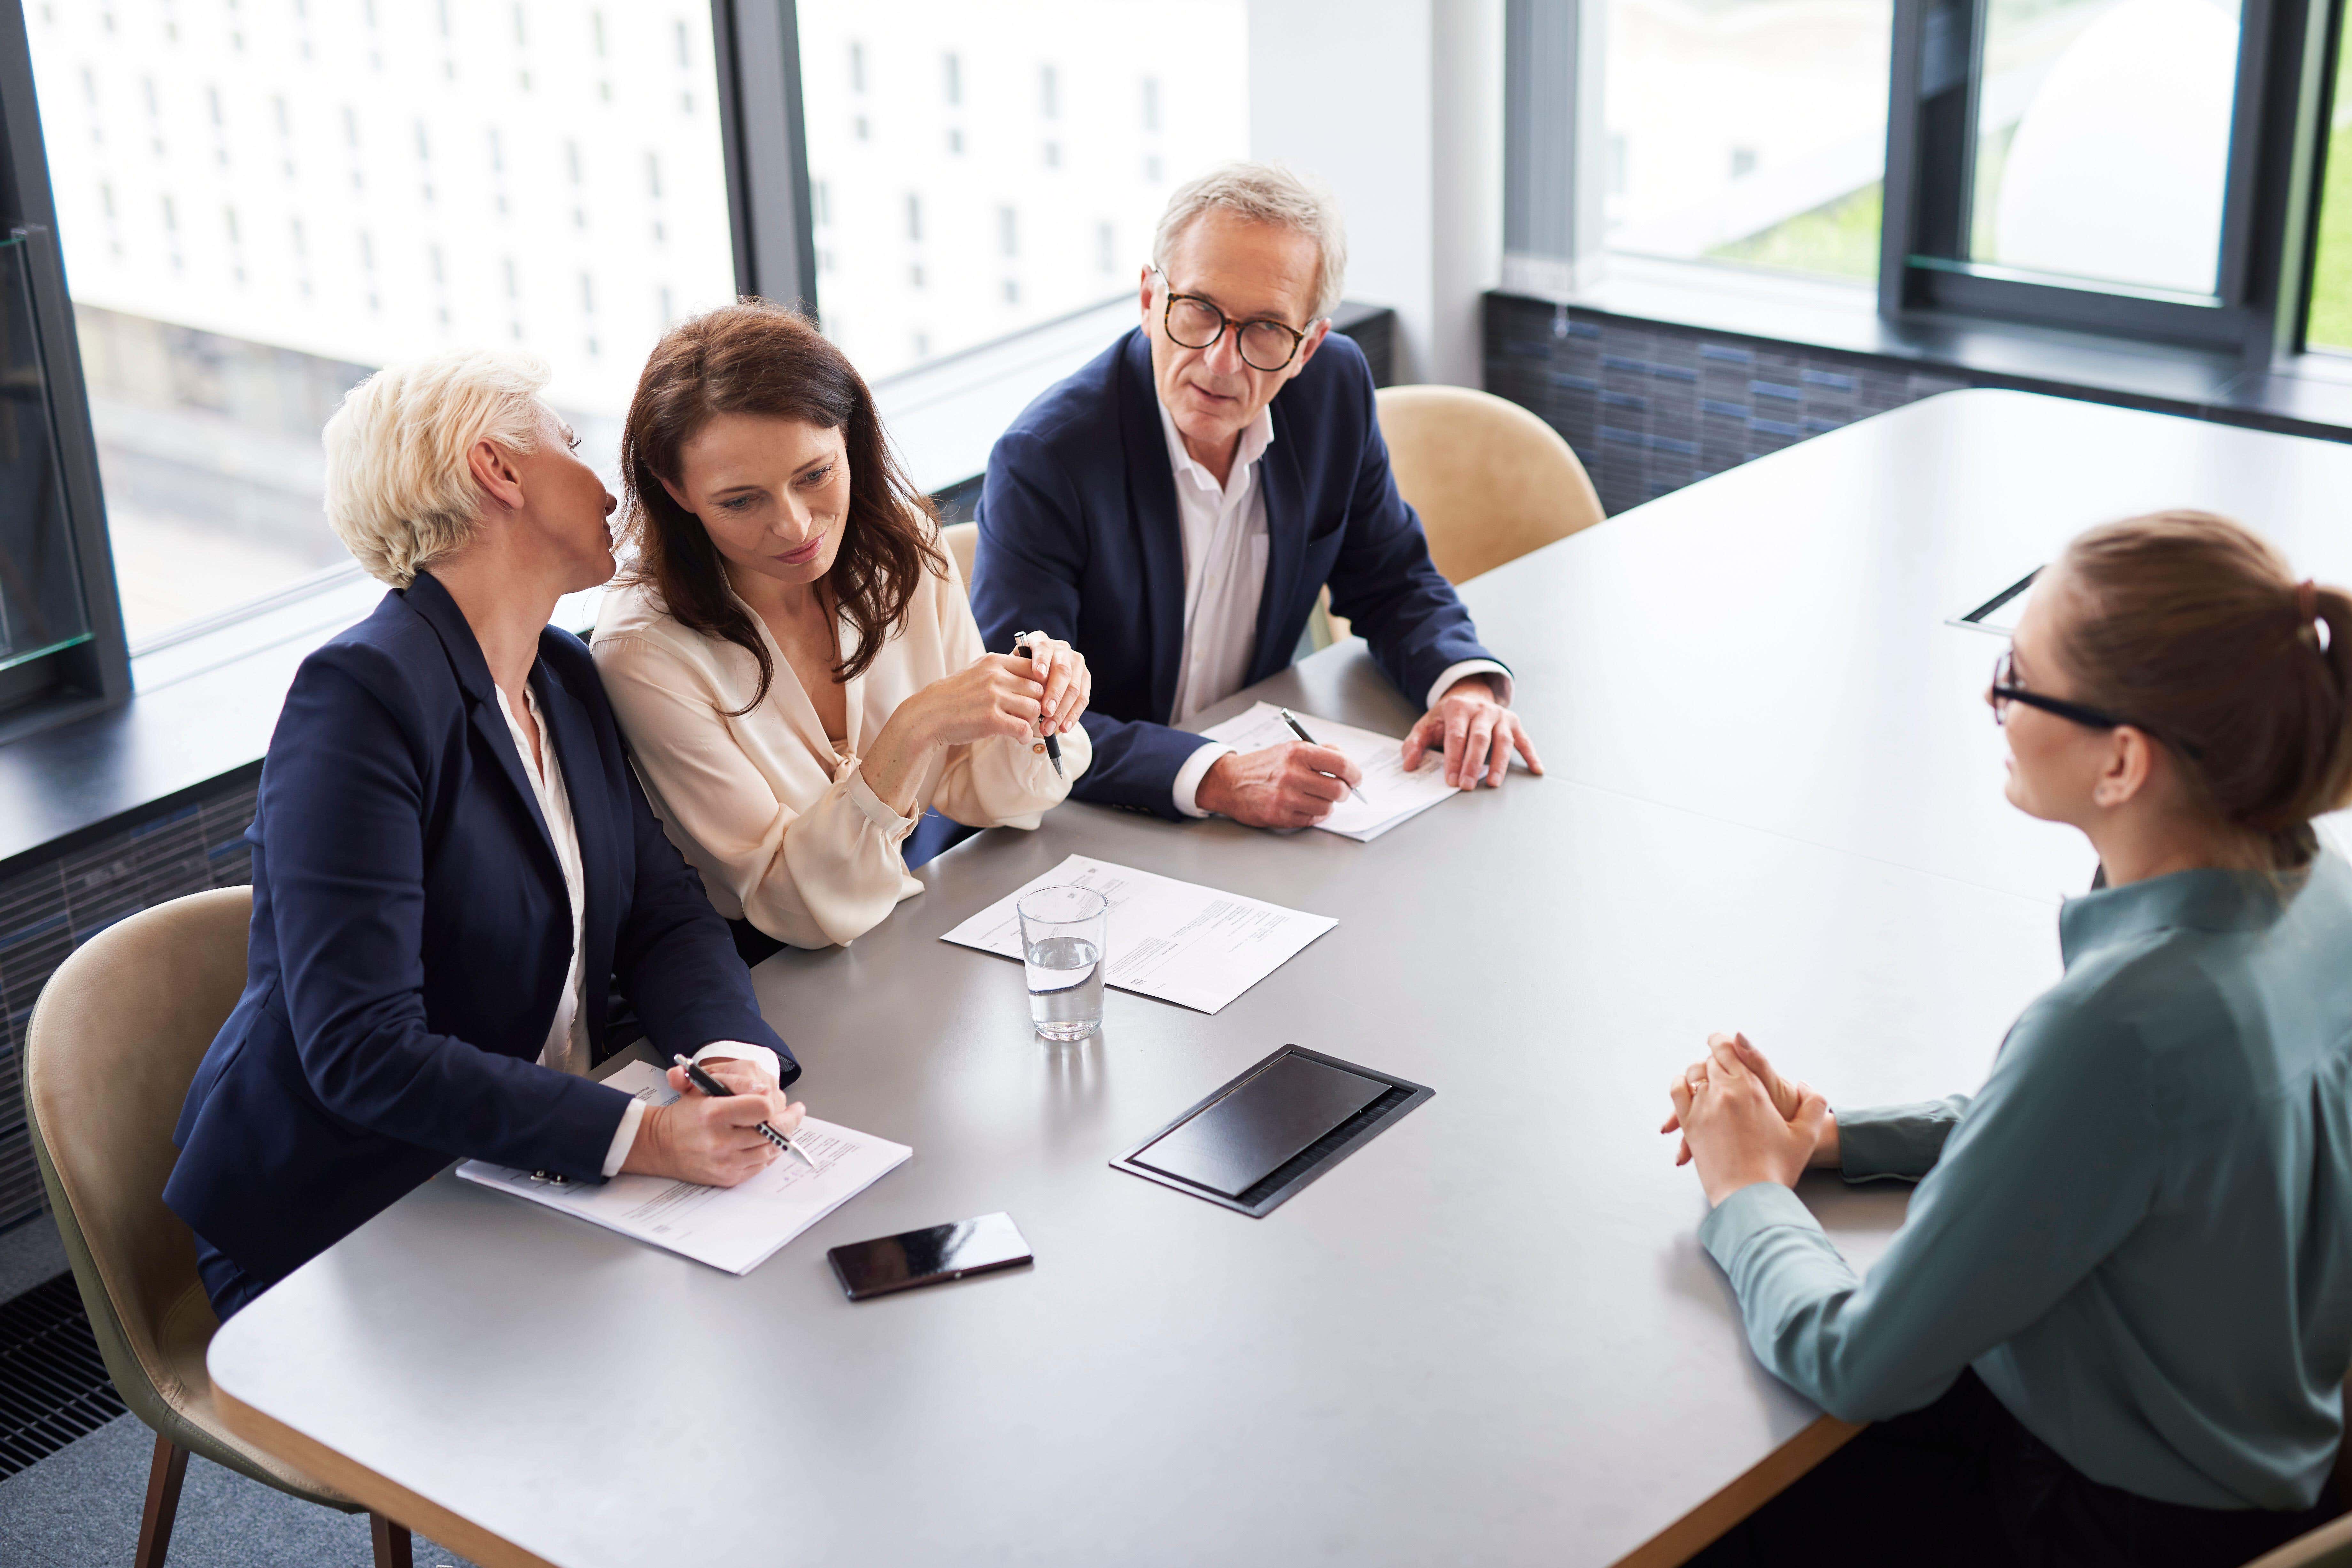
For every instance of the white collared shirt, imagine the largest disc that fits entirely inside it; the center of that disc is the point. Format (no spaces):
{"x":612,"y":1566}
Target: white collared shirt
{"x":566,"y":1049}
{"x":1225,"y":544}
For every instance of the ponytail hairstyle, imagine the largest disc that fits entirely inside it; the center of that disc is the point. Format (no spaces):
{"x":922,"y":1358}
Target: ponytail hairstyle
{"x":762,"y":359}
{"x":2194,"y":625}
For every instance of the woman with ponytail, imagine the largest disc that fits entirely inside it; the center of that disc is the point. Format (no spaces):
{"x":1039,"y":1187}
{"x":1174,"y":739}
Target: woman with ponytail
{"x":2114,"y":1326}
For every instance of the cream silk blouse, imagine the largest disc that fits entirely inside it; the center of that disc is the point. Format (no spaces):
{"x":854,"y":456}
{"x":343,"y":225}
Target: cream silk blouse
{"x":775,"y":814}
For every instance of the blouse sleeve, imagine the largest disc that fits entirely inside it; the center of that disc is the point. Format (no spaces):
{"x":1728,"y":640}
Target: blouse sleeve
{"x":815,"y":875}
{"x":1000,"y":782}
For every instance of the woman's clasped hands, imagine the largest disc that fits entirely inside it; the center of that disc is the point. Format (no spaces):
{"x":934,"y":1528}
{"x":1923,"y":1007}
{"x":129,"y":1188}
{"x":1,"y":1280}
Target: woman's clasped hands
{"x":710,"y":1142}
{"x":1742,"y":1122}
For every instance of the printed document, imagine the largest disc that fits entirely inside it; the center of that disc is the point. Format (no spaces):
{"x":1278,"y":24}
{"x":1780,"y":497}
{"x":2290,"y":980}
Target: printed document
{"x":1388,"y":796}
{"x":735,"y":1229}
{"x":1180,"y":941}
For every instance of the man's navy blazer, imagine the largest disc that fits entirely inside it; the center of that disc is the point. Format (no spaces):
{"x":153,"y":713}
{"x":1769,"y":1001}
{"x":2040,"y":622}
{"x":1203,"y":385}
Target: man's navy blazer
{"x":411,"y":934}
{"x":1079,"y":539}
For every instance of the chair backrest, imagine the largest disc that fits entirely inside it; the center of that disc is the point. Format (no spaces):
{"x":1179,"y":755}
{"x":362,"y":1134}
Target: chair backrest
{"x":962,"y":540}
{"x":113,"y":1044}
{"x":1490,"y":481}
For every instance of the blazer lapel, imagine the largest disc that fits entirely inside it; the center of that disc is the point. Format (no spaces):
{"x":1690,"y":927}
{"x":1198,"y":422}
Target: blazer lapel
{"x":1286,"y":549}
{"x":1151,"y":502}
{"x":430,"y":600}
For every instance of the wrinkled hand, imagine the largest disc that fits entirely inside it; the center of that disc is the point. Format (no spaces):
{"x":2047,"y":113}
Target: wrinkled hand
{"x":1475,"y":731}
{"x":710,"y":1142}
{"x":1735,"y":1129}
{"x":1293,"y":785}
{"x":1070,"y":684}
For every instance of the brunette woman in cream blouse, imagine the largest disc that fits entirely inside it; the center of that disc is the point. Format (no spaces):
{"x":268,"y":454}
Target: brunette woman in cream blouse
{"x":792,"y":658}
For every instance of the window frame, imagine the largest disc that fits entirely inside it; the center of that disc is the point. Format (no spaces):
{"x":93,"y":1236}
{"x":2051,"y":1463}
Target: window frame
{"x":1556,"y":167}
{"x":96,"y":672}
{"x":2269,"y":196}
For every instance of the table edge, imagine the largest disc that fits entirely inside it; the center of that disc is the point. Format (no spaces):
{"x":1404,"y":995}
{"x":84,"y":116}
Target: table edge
{"x":387,"y":1497}
{"x":1743,"y":1494}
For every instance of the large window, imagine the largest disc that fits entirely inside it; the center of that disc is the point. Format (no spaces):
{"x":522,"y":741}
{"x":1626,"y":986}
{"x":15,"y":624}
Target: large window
{"x":1748,"y":131}
{"x":2330,"y":326}
{"x":2103,"y":140}
{"x":977,"y":168}
{"x":262,"y":200}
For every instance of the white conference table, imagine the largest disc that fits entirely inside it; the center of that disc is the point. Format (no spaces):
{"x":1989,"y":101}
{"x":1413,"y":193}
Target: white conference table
{"x":1488,"y":1335}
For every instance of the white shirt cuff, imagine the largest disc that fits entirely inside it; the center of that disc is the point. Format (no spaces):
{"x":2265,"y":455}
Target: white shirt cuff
{"x":624,"y":1137}
{"x":878,"y":811}
{"x":741,"y":1050}
{"x":1196,"y":768}
{"x":1453,"y":672}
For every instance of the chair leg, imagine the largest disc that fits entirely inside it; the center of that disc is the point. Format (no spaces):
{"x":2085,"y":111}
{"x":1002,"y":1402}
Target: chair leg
{"x":163,"y":1479}
{"x":391,"y":1541}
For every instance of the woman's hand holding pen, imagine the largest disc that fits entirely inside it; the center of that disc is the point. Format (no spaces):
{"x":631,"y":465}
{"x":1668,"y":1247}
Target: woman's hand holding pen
{"x":1743,"y":1123}
{"x":713,"y":1143}
{"x":996,"y":694}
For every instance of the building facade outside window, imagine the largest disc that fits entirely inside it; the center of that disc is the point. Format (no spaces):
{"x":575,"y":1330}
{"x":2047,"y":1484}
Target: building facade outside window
{"x":1017,"y":216}
{"x":1751,"y":132}
{"x":260,"y":201}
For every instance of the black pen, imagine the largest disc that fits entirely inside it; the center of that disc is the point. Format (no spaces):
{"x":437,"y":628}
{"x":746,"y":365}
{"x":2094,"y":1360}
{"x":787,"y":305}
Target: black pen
{"x":1053,"y":743}
{"x":1299,"y":729}
{"x":718,"y":1090}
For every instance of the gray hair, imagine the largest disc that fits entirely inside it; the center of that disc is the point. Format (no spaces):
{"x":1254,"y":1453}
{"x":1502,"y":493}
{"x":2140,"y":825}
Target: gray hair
{"x":1265,"y":192}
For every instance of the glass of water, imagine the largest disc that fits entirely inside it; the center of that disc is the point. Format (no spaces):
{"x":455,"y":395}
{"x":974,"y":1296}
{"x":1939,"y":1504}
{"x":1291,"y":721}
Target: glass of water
{"x":1063,"y":933}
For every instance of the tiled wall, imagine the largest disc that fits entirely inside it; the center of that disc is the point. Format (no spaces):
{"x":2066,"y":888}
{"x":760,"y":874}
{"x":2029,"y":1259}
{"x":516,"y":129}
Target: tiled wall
{"x":50,"y":909}
{"x":1651,"y":407}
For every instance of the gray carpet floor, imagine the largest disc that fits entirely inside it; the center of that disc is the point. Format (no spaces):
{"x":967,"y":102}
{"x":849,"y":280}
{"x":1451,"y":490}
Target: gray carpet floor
{"x":79,"y":1509}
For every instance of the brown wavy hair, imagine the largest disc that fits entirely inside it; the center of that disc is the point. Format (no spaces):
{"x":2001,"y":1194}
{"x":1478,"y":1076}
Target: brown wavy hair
{"x":2196,"y":627}
{"x":764,"y":359}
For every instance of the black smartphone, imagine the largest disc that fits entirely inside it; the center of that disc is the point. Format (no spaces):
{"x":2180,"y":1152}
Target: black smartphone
{"x":927,"y":1256}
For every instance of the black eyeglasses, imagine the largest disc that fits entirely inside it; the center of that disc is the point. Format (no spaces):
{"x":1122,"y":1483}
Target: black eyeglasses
{"x":2005,"y":690}
{"x":1193,"y":322}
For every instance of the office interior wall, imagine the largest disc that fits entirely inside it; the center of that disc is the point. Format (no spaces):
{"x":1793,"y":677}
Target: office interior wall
{"x":1398,"y":106}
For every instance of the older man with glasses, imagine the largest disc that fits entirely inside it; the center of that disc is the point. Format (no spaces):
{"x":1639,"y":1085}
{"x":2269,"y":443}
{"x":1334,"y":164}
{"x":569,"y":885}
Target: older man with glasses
{"x":1166,"y":509}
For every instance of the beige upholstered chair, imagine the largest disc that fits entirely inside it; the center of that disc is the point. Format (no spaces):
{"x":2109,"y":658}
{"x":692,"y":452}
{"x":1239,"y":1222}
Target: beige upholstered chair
{"x":2329,"y":1546}
{"x":962,"y":540}
{"x":1490,"y":481}
{"x":113,"y":1043}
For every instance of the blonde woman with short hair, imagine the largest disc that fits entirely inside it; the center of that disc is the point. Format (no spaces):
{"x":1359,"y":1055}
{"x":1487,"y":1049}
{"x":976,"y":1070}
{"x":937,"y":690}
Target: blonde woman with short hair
{"x":453,"y":867}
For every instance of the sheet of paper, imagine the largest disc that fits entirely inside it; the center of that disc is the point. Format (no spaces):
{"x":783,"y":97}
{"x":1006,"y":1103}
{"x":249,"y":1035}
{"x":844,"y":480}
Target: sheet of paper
{"x":735,"y":1229}
{"x":1388,"y":796}
{"x":1180,"y":941}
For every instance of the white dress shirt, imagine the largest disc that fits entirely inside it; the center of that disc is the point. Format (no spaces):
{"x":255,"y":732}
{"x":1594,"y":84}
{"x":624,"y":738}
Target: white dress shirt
{"x":566,"y":1049}
{"x":1225,"y":542}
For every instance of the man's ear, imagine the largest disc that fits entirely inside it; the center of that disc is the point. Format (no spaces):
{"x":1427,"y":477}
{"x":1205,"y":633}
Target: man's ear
{"x":2125,"y":771}
{"x":495,"y":471}
{"x":1144,"y":291}
{"x":1315,"y":336}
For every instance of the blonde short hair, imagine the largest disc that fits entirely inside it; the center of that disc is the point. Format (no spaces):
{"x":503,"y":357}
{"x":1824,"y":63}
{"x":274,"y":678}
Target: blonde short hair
{"x":400,"y":494}
{"x":1265,"y":192}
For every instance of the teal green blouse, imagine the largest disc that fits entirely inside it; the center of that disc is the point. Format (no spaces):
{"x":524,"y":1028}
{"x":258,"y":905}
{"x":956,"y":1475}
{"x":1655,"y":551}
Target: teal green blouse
{"x":2139,"y":1232}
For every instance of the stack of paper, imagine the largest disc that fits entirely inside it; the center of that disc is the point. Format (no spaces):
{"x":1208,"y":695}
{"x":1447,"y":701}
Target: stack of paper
{"x":1177,"y":941}
{"x":1388,"y":796}
{"x":735,"y":1229}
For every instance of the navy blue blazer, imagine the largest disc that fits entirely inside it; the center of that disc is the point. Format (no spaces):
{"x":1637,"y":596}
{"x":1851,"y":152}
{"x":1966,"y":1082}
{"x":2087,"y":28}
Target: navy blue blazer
{"x":1079,"y":539}
{"x":411,"y":933}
